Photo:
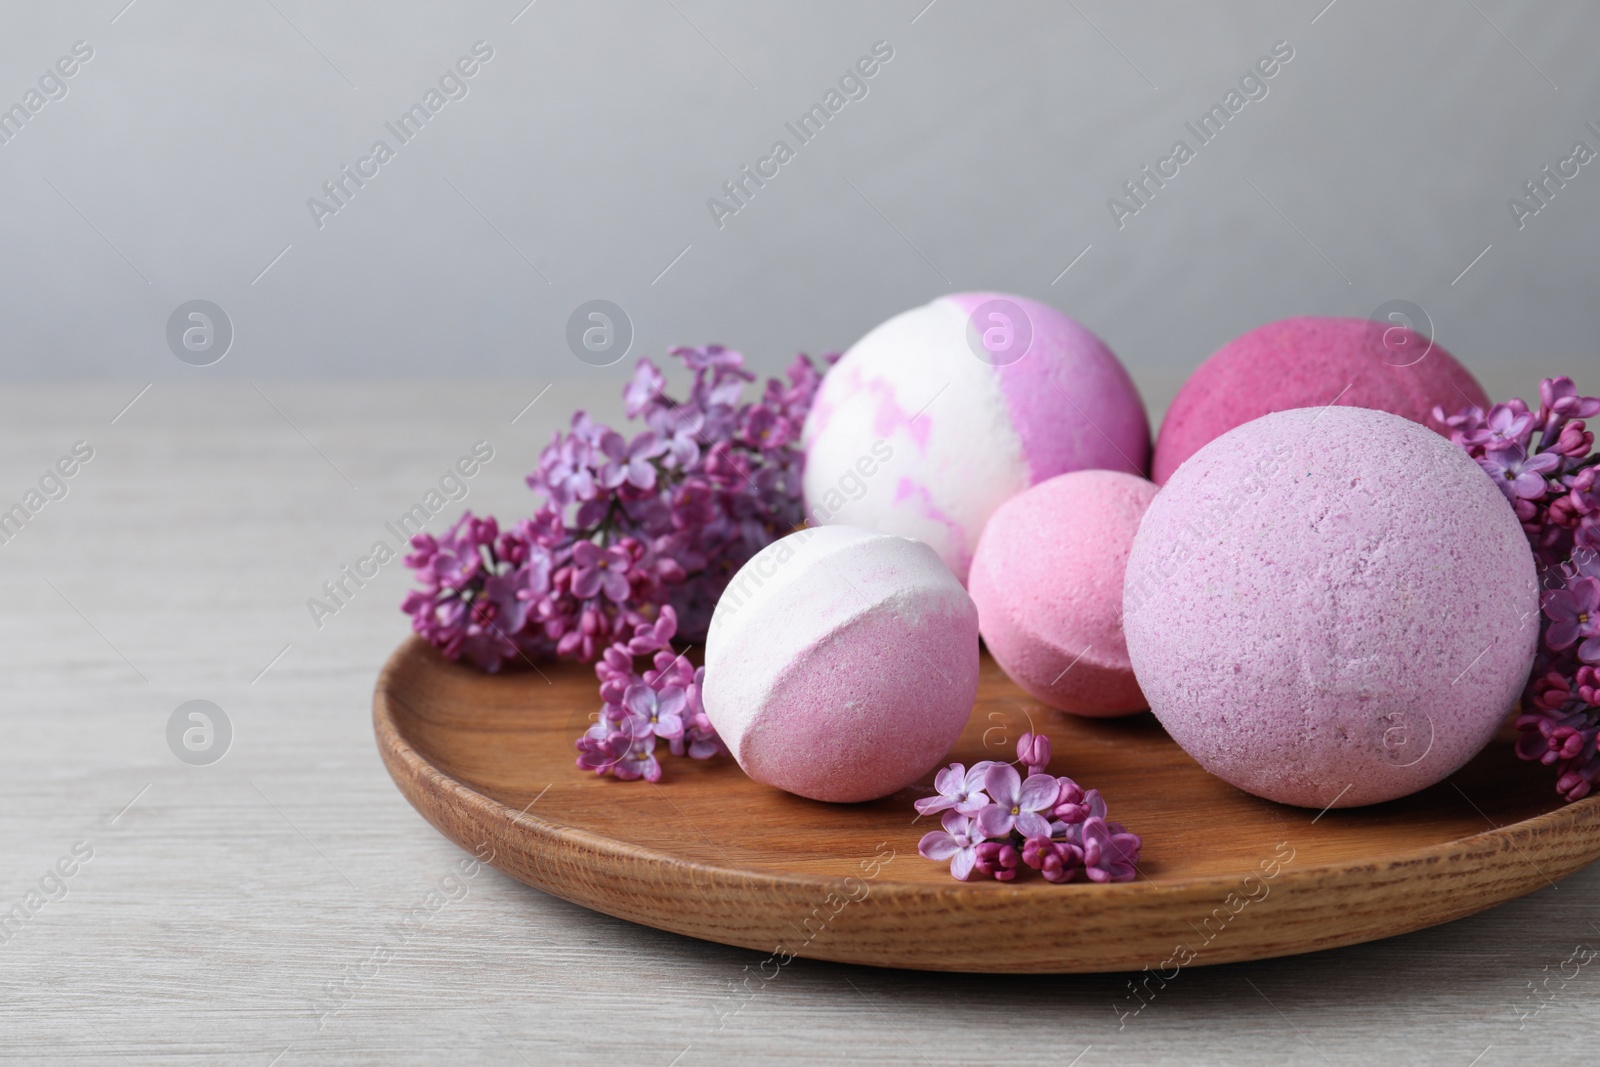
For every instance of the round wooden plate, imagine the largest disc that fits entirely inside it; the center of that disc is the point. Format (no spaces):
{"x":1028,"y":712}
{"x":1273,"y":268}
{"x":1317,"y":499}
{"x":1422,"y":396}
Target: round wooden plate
{"x":488,"y":760}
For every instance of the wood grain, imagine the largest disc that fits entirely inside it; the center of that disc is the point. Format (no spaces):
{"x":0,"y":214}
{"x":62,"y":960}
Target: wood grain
{"x":488,"y":760}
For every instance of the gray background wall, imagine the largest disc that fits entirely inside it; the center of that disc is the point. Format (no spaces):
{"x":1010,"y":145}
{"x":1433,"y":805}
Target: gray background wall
{"x":579,"y":164}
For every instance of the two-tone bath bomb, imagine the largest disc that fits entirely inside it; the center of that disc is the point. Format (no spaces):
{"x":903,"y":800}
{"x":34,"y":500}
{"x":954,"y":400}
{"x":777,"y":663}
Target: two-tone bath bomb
{"x":1331,"y":606}
{"x":841,"y":664}
{"x":1311,"y":362}
{"x":1047,"y":579}
{"x":943,"y":413}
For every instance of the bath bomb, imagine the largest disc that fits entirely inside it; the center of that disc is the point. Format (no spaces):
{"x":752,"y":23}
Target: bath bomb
{"x":841,"y":664}
{"x":1331,"y":607}
{"x":943,"y":413}
{"x":1310,"y":362}
{"x":1047,"y":579}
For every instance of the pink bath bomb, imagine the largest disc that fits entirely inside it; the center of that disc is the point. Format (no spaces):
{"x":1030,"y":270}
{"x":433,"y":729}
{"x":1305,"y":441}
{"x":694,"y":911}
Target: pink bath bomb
{"x":941,"y":414}
{"x":1331,"y":606}
{"x":1047,"y":579}
{"x":841,"y":664}
{"x":1309,"y":362}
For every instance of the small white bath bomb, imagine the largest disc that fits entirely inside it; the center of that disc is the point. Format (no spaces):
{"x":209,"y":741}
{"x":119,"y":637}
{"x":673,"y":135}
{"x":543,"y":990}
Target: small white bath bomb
{"x":915,"y":433}
{"x":1331,"y":606}
{"x":841,"y":664}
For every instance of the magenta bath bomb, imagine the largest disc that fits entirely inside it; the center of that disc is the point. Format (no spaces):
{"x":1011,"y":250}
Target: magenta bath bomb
{"x":1331,"y":606}
{"x":841,"y":664}
{"x":943,"y":413}
{"x":1047,"y":579}
{"x":1310,"y":362}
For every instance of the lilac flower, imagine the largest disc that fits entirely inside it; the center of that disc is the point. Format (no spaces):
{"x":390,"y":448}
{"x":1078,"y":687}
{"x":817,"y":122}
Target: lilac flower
{"x":1517,"y":473}
{"x":1574,"y":613}
{"x":1056,"y":860}
{"x":1560,"y":397}
{"x":1074,"y":805}
{"x":473,"y":602}
{"x":631,"y":543}
{"x":1544,"y":464}
{"x":708,"y":357}
{"x":1015,"y":803}
{"x":566,"y":472}
{"x":663,"y":701}
{"x":653,"y":637}
{"x":661,"y":711}
{"x":1109,"y":852}
{"x":639,"y":761}
{"x":1461,"y":424}
{"x":1504,"y":427}
{"x":1033,"y":752}
{"x":601,"y":747}
{"x":1013,"y":832}
{"x":998,"y":859}
{"x":958,"y":788}
{"x":599,"y":569}
{"x":645,"y":385}
{"x":957,"y":842}
{"x":630,"y":463}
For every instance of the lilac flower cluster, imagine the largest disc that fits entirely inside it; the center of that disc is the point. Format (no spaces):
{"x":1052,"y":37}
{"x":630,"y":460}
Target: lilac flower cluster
{"x":994,"y":820}
{"x":626,"y":526}
{"x":1542,"y":462}
{"x":662,"y":703}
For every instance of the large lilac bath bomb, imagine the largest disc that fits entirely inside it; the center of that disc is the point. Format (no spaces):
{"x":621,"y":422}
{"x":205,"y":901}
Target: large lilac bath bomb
{"x":943,"y":413}
{"x":1309,"y":362}
{"x":841,"y":664}
{"x":1047,"y":579}
{"x":1331,"y":606}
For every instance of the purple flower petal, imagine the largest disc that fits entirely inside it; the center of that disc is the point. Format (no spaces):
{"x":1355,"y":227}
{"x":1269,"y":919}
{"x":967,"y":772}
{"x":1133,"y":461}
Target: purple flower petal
{"x":1032,"y":824}
{"x":995,"y":820}
{"x":937,"y":845}
{"x":1003,"y":784}
{"x":963,"y":863}
{"x":1037,"y":793}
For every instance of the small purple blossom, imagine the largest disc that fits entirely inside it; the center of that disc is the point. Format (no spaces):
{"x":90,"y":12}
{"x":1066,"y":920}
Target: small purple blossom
{"x":1517,"y":473}
{"x":1015,"y":803}
{"x":1033,"y":752}
{"x":662,"y":710}
{"x":1506,"y":426}
{"x":1056,"y":860}
{"x":1543,"y":462}
{"x":959,"y":789}
{"x":630,"y":463}
{"x":998,"y":859}
{"x":599,"y":570}
{"x":1109,"y":853}
{"x":1044,"y":823}
{"x":638,"y":761}
{"x":1574,"y":614}
{"x":662,"y":702}
{"x":958,"y":842}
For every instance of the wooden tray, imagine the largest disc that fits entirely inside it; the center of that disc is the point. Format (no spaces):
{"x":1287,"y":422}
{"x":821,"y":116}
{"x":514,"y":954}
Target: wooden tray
{"x":489,"y":761}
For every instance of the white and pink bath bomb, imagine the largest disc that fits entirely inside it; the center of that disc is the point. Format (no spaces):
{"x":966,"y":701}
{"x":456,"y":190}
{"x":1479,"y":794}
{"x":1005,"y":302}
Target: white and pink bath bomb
{"x":943,"y":413}
{"x":841,"y":664}
{"x":1331,"y":606}
{"x":1047,"y":579}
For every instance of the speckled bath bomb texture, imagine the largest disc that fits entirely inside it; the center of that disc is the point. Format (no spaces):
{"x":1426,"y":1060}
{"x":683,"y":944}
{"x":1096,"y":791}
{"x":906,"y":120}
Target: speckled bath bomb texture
{"x":1331,"y":606}
{"x":1309,"y":362}
{"x":841,"y":664}
{"x":912,"y":433}
{"x":1047,"y":579}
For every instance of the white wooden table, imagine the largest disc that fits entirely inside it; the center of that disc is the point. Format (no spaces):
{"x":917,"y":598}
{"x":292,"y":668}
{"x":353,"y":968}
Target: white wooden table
{"x":222,"y":902}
